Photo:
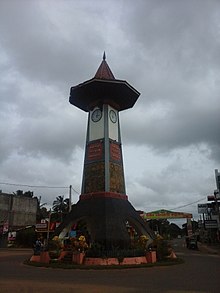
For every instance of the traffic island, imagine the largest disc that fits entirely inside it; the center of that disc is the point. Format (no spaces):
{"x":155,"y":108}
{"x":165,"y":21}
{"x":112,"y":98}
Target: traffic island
{"x":81,"y":259}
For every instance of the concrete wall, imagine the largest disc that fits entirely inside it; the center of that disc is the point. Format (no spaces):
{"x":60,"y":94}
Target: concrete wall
{"x":4,"y":207}
{"x":20,"y":211}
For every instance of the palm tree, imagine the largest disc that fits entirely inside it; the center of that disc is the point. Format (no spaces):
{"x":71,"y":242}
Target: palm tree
{"x":61,"y":206}
{"x":42,"y":212}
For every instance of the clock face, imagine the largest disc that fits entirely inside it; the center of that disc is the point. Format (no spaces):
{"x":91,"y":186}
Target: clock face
{"x":113,"y":116}
{"x":96,"y":115}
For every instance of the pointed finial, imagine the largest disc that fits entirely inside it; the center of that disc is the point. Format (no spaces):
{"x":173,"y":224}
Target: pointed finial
{"x":104,"y":57}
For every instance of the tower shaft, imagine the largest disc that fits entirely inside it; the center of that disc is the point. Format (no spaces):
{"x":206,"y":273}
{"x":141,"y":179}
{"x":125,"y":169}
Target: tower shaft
{"x":103,"y":164}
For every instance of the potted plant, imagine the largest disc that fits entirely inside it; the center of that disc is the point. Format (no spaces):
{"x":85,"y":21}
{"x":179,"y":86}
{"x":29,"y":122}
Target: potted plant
{"x":79,"y":247}
{"x":54,"y":247}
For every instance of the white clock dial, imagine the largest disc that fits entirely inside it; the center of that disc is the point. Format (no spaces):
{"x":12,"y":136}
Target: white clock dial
{"x":113,"y":116}
{"x":96,"y":115}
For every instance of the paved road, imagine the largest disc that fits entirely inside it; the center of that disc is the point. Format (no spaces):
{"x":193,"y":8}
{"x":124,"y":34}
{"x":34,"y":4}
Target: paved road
{"x":199,"y":273}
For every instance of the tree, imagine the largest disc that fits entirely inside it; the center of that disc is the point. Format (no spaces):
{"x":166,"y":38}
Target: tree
{"x":161,"y":226}
{"x":22,"y":193}
{"x":61,"y":206}
{"x":42,"y":212}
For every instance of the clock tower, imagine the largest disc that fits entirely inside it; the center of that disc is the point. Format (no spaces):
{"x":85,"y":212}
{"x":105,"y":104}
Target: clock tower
{"x":103,"y":203}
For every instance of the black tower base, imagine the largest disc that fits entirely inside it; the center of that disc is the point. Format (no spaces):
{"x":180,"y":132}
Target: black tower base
{"x":107,"y":221}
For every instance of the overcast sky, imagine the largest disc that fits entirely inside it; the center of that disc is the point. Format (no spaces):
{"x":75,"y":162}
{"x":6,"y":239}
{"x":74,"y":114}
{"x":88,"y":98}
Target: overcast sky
{"x":168,"y":50}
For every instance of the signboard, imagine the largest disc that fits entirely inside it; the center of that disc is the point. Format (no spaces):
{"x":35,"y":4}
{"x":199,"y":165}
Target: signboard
{"x":11,"y":236}
{"x":211,"y":224}
{"x":210,"y":198}
{"x":41,"y":226}
{"x":5,"y":227}
{"x":95,"y":151}
{"x":213,"y":197}
{"x":165,"y":214}
{"x":202,"y":208}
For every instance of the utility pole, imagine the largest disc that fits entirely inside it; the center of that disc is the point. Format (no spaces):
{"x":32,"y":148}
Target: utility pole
{"x":48,"y":227}
{"x":70,"y":198}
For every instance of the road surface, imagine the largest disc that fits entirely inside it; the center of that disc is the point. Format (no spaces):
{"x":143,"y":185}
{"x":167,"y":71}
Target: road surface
{"x":199,"y":273}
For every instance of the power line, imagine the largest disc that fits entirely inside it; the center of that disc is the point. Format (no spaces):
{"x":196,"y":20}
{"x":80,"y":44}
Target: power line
{"x":33,"y":186}
{"x":188,"y":204}
{"x":62,"y":187}
{"x":38,"y":186}
{"x":75,"y":190}
{"x":183,"y":206}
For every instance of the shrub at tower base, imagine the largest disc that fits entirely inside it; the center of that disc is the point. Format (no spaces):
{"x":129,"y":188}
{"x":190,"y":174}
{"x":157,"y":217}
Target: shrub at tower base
{"x":78,"y":252}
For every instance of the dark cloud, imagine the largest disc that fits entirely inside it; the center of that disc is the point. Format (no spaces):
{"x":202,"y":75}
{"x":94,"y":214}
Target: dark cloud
{"x":168,"y":50}
{"x":47,"y":43}
{"x":177,"y":72}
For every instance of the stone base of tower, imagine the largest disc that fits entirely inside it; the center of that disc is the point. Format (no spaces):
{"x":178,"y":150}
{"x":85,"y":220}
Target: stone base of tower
{"x":106,"y":216}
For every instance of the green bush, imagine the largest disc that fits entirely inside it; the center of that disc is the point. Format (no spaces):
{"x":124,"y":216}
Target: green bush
{"x":162,"y":249}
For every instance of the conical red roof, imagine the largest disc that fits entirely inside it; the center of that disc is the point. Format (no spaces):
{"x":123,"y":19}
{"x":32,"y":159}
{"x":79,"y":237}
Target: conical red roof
{"x":104,"y":71}
{"x":103,"y":88}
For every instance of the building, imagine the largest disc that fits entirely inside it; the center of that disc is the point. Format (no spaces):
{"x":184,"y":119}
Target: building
{"x":209,"y":223}
{"x":17,"y":211}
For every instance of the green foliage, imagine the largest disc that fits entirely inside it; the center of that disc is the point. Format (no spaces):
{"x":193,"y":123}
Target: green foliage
{"x":26,"y":193}
{"x":165,"y":228}
{"x":61,"y":207}
{"x":42,"y":213}
{"x":54,"y":248}
{"x":60,"y":204}
{"x":54,"y":245}
{"x":79,"y":244}
{"x":162,"y":248}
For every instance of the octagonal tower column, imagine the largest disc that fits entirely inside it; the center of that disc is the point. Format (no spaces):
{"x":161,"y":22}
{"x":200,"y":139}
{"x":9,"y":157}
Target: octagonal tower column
{"x":103,"y":163}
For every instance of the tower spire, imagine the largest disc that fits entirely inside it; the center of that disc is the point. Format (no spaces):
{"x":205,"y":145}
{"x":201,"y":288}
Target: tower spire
{"x":104,"y":71}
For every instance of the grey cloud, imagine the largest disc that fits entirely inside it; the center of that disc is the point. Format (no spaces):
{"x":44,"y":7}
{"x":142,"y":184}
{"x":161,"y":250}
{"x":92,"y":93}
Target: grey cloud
{"x":39,"y":45}
{"x":168,"y":50}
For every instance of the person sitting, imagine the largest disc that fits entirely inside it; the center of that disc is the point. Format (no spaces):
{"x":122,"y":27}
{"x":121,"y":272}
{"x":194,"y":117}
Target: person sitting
{"x":38,"y":246}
